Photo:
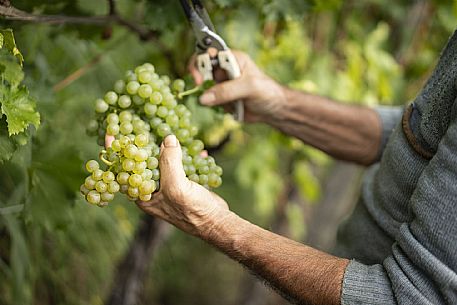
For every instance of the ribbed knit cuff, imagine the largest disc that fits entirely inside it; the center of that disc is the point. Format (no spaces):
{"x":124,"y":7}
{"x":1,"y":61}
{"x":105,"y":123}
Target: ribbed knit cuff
{"x":363,"y":284}
{"x":390,"y":117}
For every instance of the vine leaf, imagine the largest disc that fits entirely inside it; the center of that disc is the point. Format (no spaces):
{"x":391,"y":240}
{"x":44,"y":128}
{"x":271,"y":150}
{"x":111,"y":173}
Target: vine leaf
{"x":19,"y":109}
{"x":7,"y":41}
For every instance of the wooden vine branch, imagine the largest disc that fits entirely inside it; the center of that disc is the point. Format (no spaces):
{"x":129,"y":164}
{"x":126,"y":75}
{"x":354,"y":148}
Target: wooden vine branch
{"x":9,"y":12}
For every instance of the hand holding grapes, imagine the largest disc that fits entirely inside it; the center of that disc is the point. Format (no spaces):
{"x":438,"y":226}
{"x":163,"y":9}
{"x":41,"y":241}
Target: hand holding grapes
{"x":180,"y":201}
{"x":262,"y":95}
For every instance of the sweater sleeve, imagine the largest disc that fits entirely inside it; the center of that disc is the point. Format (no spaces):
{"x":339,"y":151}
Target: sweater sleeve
{"x":421,"y":268}
{"x":389,"y":116}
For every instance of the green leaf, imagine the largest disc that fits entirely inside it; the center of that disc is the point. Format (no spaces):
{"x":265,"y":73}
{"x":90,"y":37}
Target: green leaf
{"x":10,"y":70}
{"x":10,"y":44}
{"x":19,"y":109}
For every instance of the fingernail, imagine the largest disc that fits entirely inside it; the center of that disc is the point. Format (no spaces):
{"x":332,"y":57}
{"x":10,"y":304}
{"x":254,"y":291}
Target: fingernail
{"x":207,"y":98}
{"x":170,"y":141}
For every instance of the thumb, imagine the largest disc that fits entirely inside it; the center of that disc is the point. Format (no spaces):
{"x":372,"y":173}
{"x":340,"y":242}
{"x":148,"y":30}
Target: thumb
{"x":227,"y":91}
{"x":170,"y":163}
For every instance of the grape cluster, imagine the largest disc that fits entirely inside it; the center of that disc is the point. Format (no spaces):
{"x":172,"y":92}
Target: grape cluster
{"x":139,"y":113}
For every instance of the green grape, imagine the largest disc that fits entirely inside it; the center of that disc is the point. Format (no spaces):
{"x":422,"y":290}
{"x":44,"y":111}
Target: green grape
{"x":101,"y":186}
{"x":146,"y":197}
{"x":145,"y":91}
{"x":101,"y":106}
{"x":154,"y":122}
{"x":183,"y":135}
{"x":149,"y":67}
{"x":137,"y":100}
{"x":132,"y":87}
{"x":124,"y":101}
{"x":128,"y":165}
{"x":163,"y":130}
{"x":112,"y":129}
{"x":130,"y":151}
{"x":217,"y":170}
{"x":125,"y":116}
{"x":155,"y":174}
{"x":124,"y":188}
{"x":199,"y":161}
{"x":210,"y":161}
{"x":152,"y":163}
{"x":179,"y":85}
{"x":126,"y":128}
{"x":203,"y":170}
{"x":139,"y":126}
{"x":147,"y":174}
{"x":189,"y":169}
{"x":170,"y":103}
{"x":155,"y":98}
{"x":89,"y":183}
{"x":194,"y":178}
{"x":130,"y":76}
{"x":172,"y":120}
{"x":166,"y":80}
{"x":139,"y":167}
{"x":116,"y":145}
{"x":193,"y":130}
{"x":180,"y":110}
{"x":156,"y":84}
{"x":214,"y":180}
{"x":110,"y":97}
{"x":145,"y":76}
{"x":142,"y":140}
{"x":97,"y":174}
{"x":150,"y":109}
{"x":162,"y":111}
{"x":140,"y":69}
{"x":186,"y":159}
{"x":92,"y":127}
{"x":123,"y":178}
{"x":135,"y":180}
{"x":113,"y":187}
{"x":203,"y":179}
{"x":112,"y":118}
{"x":147,"y":187}
{"x":124,"y":141}
{"x":83,"y":190}
{"x":107,"y":197}
{"x":141,"y":155}
{"x":92,"y":165}
{"x":185,"y":123}
{"x":119,"y":86}
{"x":133,"y":192}
{"x":93,"y":197}
{"x":195,"y":147}
{"x":108,"y":177}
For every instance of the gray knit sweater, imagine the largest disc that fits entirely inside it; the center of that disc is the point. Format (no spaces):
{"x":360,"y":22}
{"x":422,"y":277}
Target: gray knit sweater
{"x":402,"y":236}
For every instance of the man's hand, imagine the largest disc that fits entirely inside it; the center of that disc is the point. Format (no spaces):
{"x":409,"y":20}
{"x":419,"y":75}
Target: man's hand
{"x":262,"y":96}
{"x":181,"y":202}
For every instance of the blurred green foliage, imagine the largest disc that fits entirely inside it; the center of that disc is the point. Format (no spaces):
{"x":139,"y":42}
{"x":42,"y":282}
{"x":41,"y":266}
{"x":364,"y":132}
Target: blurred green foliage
{"x":55,"y":249}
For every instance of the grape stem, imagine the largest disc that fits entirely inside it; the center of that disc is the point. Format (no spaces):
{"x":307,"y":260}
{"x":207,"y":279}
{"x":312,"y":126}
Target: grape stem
{"x":101,"y":155}
{"x":196,"y":89}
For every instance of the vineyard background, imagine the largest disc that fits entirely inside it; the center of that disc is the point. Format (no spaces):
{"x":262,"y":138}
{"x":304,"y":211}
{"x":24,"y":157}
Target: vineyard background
{"x":55,"y":249}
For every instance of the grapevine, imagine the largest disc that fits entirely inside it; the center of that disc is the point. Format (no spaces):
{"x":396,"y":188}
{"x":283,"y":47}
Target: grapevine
{"x":140,"y":111}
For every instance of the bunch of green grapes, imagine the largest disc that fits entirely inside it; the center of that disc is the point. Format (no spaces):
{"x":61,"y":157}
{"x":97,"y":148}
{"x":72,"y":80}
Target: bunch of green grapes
{"x":137,"y":115}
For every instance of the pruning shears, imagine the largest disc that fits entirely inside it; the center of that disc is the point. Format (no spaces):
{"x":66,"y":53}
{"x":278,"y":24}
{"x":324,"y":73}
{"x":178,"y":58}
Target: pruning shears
{"x":212,"y":51}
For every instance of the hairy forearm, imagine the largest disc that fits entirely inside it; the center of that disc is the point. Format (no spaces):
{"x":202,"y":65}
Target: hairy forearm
{"x":302,"y":274}
{"x":344,"y":132}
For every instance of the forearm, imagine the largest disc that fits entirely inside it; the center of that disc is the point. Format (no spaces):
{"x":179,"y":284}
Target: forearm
{"x":344,"y":132}
{"x":301,"y":273}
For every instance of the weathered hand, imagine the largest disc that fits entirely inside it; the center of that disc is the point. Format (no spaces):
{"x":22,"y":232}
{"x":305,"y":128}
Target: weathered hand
{"x":262,"y":96}
{"x":181,"y":202}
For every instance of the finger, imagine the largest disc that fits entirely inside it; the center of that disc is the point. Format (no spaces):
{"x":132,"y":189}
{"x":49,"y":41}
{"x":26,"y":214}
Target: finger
{"x":226,"y":92}
{"x":109,"y":140}
{"x":171,"y":169}
{"x":198,"y":78}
